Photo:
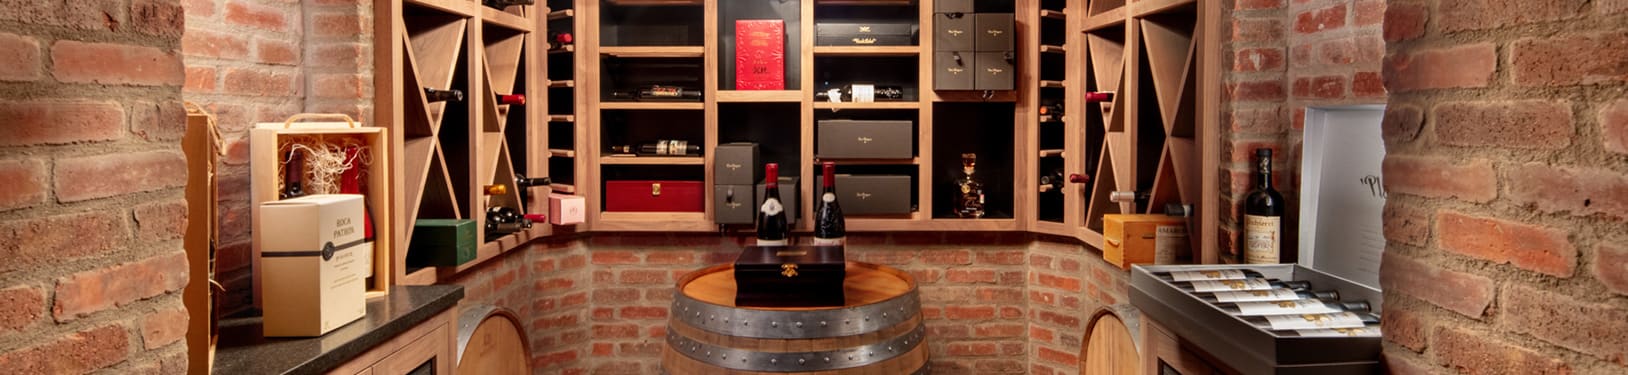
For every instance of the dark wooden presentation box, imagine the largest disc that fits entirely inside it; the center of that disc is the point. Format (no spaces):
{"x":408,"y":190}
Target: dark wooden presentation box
{"x":865,"y":33}
{"x":790,"y":276}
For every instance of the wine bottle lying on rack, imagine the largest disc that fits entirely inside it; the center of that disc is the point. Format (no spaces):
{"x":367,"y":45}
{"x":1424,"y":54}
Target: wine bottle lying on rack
{"x":658,"y":93}
{"x":1312,"y":321}
{"x":1099,"y":96}
{"x":526,"y":184}
{"x":1365,"y":331}
{"x":560,"y":39}
{"x":667,"y":147}
{"x":1211,"y":286}
{"x":1270,"y":295}
{"x":502,"y":4}
{"x":511,"y":99}
{"x":501,"y":221}
{"x":1139,"y":198}
{"x":1225,"y":274}
{"x":1051,"y":112}
{"x":846,"y":94}
{"x":495,"y":189}
{"x":1304,"y":306}
{"x":438,"y":95}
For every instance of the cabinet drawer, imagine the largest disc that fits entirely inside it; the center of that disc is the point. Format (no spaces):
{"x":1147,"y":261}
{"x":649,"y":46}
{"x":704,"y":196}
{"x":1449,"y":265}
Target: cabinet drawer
{"x":733,"y":204}
{"x":952,"y":70}
{"x":994,"y":71}
{"x":952,"y":32}
{"x":994,"y":32}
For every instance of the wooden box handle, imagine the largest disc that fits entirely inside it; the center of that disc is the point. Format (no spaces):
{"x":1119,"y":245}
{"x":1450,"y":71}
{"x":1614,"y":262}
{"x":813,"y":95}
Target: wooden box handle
{"x":308,"y":116}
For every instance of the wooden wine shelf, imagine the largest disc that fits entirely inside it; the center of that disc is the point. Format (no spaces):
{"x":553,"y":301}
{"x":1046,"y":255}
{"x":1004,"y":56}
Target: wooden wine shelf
{"x":1053,"y":14}
{"x":867,"y":50}
{"x":563,"y":188}
{"x":651,"y":160}
{"x":562,"y":84}
{"x":1051,"y":153}
{"x":558,"y":153}
{"x":864,"y":2}
{"x":767,"y":96}
{"x":1110,"y":18}
{"x":562,"y":14}
{"x":654,"y":222}
{"x":1148,"y":7}
{"x":562,"y":118}
{"x":871,"y":105}
{"x":900,"y":161}
{"x":652,"y":105}
{"x":652,"y":52}
{"x":505,"y":19}
{"x":569,"y":48}
{"x":1052,"y":49}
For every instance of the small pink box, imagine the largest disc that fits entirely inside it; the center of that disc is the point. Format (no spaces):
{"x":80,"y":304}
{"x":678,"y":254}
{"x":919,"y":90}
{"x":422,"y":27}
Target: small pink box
{"x":565,"y":209}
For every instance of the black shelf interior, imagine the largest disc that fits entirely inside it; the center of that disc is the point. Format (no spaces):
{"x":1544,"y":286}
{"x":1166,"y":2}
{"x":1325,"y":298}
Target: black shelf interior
{"x":561,"y":136}
{"x":836,"y":71}
{"x":890,"y":12}
{"x":562,"y":66}
{"x":1051,"y":202}
{"x":633,"y":73}
{"x":636,"y":127}
{"x":562,"y":171}
{"x":650,"y":25}
{"x":985,"y":129}
{"x":773,"y":126}
{"x":1150,"y":133}
{"x":785,"y":10}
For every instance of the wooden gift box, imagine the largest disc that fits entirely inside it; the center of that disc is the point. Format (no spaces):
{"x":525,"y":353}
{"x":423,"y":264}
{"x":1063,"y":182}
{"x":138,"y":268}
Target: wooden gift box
{"x":865,"y":33}
{"x":654,"y":196}
{"x":790,"y":276}
{"x":313,"y":258}
{"x":264,"y":164}
{"x":1143,"y":239}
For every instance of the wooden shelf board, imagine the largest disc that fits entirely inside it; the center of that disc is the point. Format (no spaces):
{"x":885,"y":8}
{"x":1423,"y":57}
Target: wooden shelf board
{"x":562,"y":118}
{"x":563,"y":188}
{"x":506,"y":20}
{"x":1007,"y":96}
{"x":1046,"y":83}
{"x":1144,"y":8}
{"x":972,"y":225}
{"x":458,"y":7}
{"x":652,"y":105}
{"x":564,"y":49}
{"x":867,"y":50}
{"x":871,"y":105}
{"x":1051,"y":153}
{"x":644,"y":51}
{"x":653,"y":222}
{"x":841,"y":161}
{"x":1105,"y":19}
{"x":1053,"y":14}
{"x":563,"y":83}
{"x":562,"y":14}
{"x":562,"y":153}
{"x":1046,"y":48}
{"x":759,"y":96}
{"x":652,"y":160}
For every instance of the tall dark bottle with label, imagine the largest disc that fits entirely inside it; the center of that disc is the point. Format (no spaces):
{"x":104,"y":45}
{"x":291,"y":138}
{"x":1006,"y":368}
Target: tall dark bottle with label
{"x":829,"y":226}
{"x":293,"y":171}
{"x":771,"y":216}
{"x":1263,"y":217}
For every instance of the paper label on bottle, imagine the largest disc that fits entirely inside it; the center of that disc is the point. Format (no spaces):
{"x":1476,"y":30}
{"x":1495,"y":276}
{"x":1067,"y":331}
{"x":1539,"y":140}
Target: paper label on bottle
{"x":1205,"y":286}
{"x":1314,"y":321}
{"x":864,"y":93}
{"x":1262,"y":240}
{"x":763,"y":242}
{"x":1208,"y":275}
{"x":1304,"y":306}
{"x":771,"y":206}
{"x":1340,"y":332}
{"x":829,"y":241}
{"x":1279,"y":294}
{"x":828,"y":197}
{"x":1168,"y":240}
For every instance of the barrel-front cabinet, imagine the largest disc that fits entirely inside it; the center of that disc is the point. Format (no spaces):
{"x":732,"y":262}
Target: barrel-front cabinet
{"x":425,"y":349}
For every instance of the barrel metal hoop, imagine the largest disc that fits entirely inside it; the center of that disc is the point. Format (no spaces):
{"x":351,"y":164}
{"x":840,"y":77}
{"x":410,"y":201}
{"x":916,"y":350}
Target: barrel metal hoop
{"x":746,"y":360}
{"x":800,"y":324}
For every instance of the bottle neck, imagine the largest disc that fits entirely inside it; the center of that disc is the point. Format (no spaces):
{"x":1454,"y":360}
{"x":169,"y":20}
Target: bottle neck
{"x":1264,"y":174}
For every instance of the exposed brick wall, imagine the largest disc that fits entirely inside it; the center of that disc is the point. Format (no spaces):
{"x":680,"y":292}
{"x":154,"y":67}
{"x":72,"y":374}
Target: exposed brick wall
{"x":1506,"y":171}
{"x":1068,"y":284}
{"x":91,"y":207}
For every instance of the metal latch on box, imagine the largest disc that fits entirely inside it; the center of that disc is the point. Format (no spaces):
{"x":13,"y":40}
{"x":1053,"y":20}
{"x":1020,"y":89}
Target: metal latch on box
{"x":655,"y":189}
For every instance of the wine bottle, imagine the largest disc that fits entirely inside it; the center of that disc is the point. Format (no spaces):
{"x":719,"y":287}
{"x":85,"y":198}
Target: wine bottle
{"x":771,"y":218}
{"x":1099,"y":96}
{"x":1226,"y":274}
{"x":502,"y":4}
{"x":1139,"y":198}
{"x":511,"y":99}
{"x":293,"y":172}
{"x":846,"y":94}
{"x":350,"y":182}
{"x":1263,"y":217}
{"x":496,"y":189}
{"x":667,"y":147}
{"x":829,"y":228}
{"x":1211,"y":286}
{"x":1312,"y":321}
{"x":1052,"y":182}
{"x":1365,"y":331}
{"x":525,"y":185}
{"x":658,"y":92}
{"x":1270,"y":295}
{"x":971,"y":202}
{"x":501,"y":221}
{"x":1302,"y":306}
{"x":560,"y":39}
{"x":1051,"y":112}
{"x":438,"y":95}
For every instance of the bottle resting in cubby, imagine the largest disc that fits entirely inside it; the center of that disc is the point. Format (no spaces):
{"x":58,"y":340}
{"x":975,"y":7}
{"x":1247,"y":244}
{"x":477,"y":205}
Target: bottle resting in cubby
{"x":859,"y":93}
{"x":829,"y":226}
{"x":657,"y":93}
{"x":526,"y":184}
{"x":970,"y":202}
{"x":438,"y":95}
{"x":1312,"y":321}
{"x":560,"y":39}
{"x":501,"y":221}
{"x":1051,"y":112}
{"x":771,"y":217}
{"x":666,"y":147}
{"x":1052,"y":182}
{"x":293,"y":172}
{"x":511,"y":99}
{"x":1099,"y":96}
{"x":1263,"y":217}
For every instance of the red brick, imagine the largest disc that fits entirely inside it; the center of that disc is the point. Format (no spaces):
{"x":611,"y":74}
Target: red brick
{"x":998,"y":366}
{"x":1396,"y":365}
{"x":1459,"y":292}
{"x":556,"y":358}
{"x":954,"y":312}
{"x":114,"y":64}
{"x":1316,"y":20}
{"x":1472,"y":351}
{"x":256,"y":15}
{"x":1258,"y":91}
{"x":59,"y":238}
{"x":102,"y":176}
{"x":644,"y":312}
{"x":341,"y":24}
{"x":203,"y":43}
{"x":1258,"y":4}
{"x":20,"y":306}
{"x":602,"y":314}
{"x":25,"y":183}
{"x":947,"y":257}
{"x":1337,"y":52}
{"x":641,"y":349}
{"x":344,"y":55}
{"x":615,"y":331}
{"x":1001,"y":257}
{"x":613,"y":257}
{"x":942,"y":332}
{"x":1041,"y":334}
{"x":1580,"y":191}
{"x":644,"y":277}
{"x":1054,"y":356}
{"x":256,"y":82}
{"x":1406,"y":224}
{"x":1436,"y":177}
{"x":340,"y":86}
{"x":1001,"y":330}
{"x":1324,"y":87}
{"x":1462,"y":15}
{"x":1405,"y":21}
{"x":198,"y":8}
{"x":101,"y":16}
{"x":1611,"y":267}
{"x":161,"y":220}
{"x":276,"y":52}
{"x":96,"y":290}
{"x":22,"y":59}
{"x":77,"y":353}
{"x":926,"y":276}
{"x":1405,"y":328}
{"x":1462,"y":66}
{"x":1614,"y":126}
{"x":1525,"y":124}
{"x":969,"y":349}
{"x":1370,"y":50}
{"x":1402,"y":122}
{"x":670,"y":257}
{"x":1265,"y":59}
{"x":1368,"y":84}
{"x":60,"y":122}
{"x":1267,"y":120}
{"x":1571,"y":60}
{"x":970,"y":276}
{"x":164,"y":327}
{"x":554,"y":284}
{"x":1065,"y":321}
{"x":1000,"y":295}
{"x":1537,"y":248}
{"x":1071,"y":284}
{"x":1256,"y":30}
{"x":1591,"y":328}
{"x":157,"y":17}
{"x":1368,"y":12}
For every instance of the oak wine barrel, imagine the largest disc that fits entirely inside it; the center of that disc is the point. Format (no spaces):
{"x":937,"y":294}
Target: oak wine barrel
{"x":491,"y":342}
{"x":1110,"y":342}
{"x":878,"y":330}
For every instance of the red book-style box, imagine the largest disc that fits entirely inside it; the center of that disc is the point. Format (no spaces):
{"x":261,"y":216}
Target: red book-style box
{"x":654,"y":196}
{"x":760,"y":55}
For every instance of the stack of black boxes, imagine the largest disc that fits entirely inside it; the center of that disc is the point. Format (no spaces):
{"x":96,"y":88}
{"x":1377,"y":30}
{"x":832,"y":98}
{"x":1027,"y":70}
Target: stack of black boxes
{"x":972,"y":51}
{"x":737,"y":191}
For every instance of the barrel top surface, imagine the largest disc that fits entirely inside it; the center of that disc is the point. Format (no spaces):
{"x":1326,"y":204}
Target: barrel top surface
{"x":864,"y":284}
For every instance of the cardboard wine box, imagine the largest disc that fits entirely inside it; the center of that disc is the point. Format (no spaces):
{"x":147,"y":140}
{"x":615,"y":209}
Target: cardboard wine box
{"x":654,"y":196}
{"x":863,"y":194}
{"x":865,"y":139}
{"x":788,"y":198}
{"x":953,"y":70}
{"x":953,"y":32}
{"x":994,"y":32}
{"x":442,"y":243}
{"x":790,"y":276}
{"x":865,"y":33}
{"x":760,"y":54}
{"x":736,"y":164}
{"x":312,"y":250}
{"x":995,"y":71}
{"x":733,"y":204}
{"x":1142,"y":239}
{"x":564,"y":209}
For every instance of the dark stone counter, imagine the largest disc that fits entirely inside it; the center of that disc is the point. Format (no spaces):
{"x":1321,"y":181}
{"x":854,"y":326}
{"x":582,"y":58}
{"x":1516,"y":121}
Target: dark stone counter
{"x":243,"y":350}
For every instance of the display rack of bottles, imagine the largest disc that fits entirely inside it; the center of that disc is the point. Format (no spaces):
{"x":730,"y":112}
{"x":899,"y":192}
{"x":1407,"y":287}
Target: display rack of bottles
{"x":566,"y":140}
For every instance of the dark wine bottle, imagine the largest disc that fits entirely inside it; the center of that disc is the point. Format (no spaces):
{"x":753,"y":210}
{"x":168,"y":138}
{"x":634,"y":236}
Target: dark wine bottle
{"x":1270,"y":295}
{"x":350,"y":182}
{"x":1312,"y":321}
{"x":660,"y":148}
{"x":1263,"y":217}
{"x":293,"y":173}
{"x":1303,"y":306}
{"x":1052,"y":182}
{"x":560,"y":39}
{"x":502,"y":4}
{"x":511,"y":99}
{"x":1099,"y":96}
{"x":829,"y":226}
{"x":846,"y":94}
{"x":1051,"y":112}
{"x":501,"y":221}
{"x":1211,"y":286}
{"x":438,"y":95}
{"x":771,"y":218}
{"x":525,"y":185}
{"x":658,"y":93}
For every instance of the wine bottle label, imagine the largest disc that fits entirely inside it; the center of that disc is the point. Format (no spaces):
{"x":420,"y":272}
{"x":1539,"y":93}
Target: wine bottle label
{"x":829,"y":241}
{"x":1168,"y":240}
{"x":780,"y":242}
{"x":1314,"y":321}
{"x":1339,"y":332}
{"x":1205,"y":286}
{"x":1207,"y":274}
{"x":771,"y":206}
{"x":1279,"y":294}
{"x":1261,"y":239}
{"x":1305,"y":306}
{"x":828,"y":197}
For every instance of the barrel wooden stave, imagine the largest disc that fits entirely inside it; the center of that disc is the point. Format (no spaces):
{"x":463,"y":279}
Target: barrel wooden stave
{"x":491,"y":342}
{"x":1110,"y":346}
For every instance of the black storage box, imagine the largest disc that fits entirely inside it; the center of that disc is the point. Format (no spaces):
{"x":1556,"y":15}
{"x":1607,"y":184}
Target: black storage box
{"x":788,"y":198}
{"x":953,"y":32}
{"x":734,"y":204}
{"x":865,"y":33}
{"x":994,"y":32}
{"x":953,"y":70}
{"x":995,"y":71}
{"x":790,"y":276}
{"x":952,"y":6}
{"x":864,"y":194}
{"x":736,"y":164}
{"x":865,"y":139}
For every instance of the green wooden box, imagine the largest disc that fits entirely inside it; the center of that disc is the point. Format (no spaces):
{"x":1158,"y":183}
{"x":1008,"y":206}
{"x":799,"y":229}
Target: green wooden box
{"x":441,"y":243}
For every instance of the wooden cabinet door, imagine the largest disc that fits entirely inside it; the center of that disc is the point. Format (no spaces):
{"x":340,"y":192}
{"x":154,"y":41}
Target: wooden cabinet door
{"x":428,"y":355}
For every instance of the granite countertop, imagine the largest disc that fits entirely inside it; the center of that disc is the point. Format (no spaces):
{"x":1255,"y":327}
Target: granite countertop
{"x":243,"y":350}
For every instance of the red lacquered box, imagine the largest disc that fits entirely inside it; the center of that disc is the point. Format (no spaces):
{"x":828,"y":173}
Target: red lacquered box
{"x":760,"y":55}
{"x":654,"y":196}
